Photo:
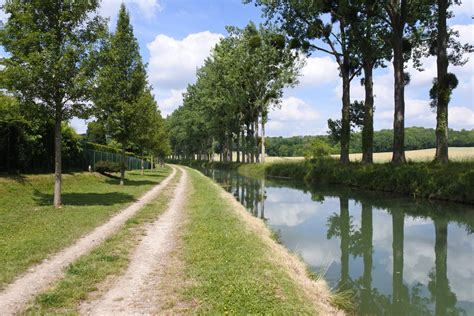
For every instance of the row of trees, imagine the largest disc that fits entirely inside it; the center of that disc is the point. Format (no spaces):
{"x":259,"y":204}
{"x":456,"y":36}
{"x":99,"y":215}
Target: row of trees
{"x":362,"y":35}
{"x":415,"y":138}
{"x":227,"y":108}
{"x":63,"y":63}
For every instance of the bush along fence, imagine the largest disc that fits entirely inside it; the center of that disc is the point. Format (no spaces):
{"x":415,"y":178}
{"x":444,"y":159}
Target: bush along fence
{"x":94,"y":153}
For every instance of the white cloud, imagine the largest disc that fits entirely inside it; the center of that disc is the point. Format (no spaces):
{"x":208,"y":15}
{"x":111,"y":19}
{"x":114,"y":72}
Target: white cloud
{"x":460,"y":117}
{"x":173,"y":62}
{"x":171,"y":102}
{"x":319,"y":71}
{"x":295,"y":117}
{"x":146,"y":8}
{"x":466,"y":8}
{"x":295,"y":109}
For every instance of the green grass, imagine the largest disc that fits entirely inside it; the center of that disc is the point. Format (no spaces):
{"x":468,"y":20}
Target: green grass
{"x":110,"y":258}
{"x":31,"y":229}
{"x":452,"y":182}
{"x":230,"y":266}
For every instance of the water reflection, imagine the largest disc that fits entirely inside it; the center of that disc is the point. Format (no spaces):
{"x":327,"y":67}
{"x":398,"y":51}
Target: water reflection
{"x":399,"y":256}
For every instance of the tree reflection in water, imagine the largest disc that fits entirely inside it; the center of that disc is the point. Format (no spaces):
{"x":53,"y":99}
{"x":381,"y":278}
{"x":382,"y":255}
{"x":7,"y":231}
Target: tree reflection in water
{"x":433,"y":297}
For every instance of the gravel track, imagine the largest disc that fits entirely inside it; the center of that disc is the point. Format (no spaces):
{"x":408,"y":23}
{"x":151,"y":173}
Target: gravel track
{"x":136,"y":292}
{"x":17,"y":294}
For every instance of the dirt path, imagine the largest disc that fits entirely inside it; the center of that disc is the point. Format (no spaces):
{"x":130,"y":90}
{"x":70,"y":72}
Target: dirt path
{"x":17,"y":294}
{"x":136,"y":292}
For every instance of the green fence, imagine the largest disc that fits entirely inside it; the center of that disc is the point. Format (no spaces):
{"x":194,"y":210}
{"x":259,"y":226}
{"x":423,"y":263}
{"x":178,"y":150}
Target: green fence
{"x":91,"y":157}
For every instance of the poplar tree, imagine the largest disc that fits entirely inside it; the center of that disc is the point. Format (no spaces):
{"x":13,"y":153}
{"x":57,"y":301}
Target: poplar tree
{"x":321,"y":26}
{"x":121,"y":84}
{"x":51,"y":48}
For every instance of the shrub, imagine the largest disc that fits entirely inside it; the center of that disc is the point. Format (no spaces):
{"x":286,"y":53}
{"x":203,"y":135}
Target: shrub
{"x":318,"y":149}
{"x":104,"y":167}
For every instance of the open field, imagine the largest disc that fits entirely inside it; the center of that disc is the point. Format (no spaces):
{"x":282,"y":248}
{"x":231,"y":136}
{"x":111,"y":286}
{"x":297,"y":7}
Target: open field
{"x":455,"y":154}
{"x":32,"y":229}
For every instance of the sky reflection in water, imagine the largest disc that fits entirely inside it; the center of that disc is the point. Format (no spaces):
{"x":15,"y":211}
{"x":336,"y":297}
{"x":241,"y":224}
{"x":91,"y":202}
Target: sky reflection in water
{"x":357,"y":239}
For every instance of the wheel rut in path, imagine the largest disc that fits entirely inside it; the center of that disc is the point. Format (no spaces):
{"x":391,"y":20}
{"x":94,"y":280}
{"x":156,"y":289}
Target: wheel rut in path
{"x":17,"y":294}
{"x":136,"y":291}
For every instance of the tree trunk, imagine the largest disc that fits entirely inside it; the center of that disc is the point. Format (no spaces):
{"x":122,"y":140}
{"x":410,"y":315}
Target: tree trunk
{"x":398,"y":155}
{"x":345,"y":121}
{"x":257,"y":155}
{"x":263,"y":141}
{"x":398,"y":300}
{"x":262,"y":210}
{"x":237,"y":145}
{"x":251,"y":144}
{"x":243,"y":146}
{"x":229,"y":149}
{"x":441,"y":267}
{"x":366,"y":307}
{"x":345,"y":241}
{"x":443,"y":92}
{"x":57,"y":158}
{"x":368,"y":129}
{"x":122,"y":166}
{"x":142,"y":167}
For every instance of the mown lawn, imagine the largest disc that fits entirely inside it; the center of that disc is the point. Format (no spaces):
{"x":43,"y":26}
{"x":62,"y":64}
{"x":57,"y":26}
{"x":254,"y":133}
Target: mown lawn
{"x":109,"y":259}
{"x":31,"y":229}
{"x":229,"y":266}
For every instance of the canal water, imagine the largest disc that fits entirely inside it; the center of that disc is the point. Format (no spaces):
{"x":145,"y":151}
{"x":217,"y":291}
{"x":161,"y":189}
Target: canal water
{"x":399,"y":256}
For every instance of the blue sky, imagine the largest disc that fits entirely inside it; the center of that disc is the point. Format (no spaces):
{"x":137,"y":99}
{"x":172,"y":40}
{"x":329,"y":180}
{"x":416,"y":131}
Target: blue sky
{"x":175,"y":37}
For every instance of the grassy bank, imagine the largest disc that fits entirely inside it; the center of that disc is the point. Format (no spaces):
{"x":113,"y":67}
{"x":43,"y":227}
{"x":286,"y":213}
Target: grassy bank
{"x":453,"y":182}
{"x":232,"y":262}
{"x":31,"y":228}
{"x":110,"y":259}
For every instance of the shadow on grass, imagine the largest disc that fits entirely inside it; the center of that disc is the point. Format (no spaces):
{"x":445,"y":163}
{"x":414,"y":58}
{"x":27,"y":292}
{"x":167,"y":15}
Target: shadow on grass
{"x":16,"y":177}
{"x":161,"y":175}
{"x":85,"y":199}
{"x":116,"y":181}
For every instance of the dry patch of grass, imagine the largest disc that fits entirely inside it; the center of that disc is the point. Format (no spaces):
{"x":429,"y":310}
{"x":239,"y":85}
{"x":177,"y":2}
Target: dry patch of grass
{"x":421,"y":155}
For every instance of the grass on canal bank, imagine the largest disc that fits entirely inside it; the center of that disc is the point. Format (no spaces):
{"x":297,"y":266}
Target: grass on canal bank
{"x":32,"y":229}
{"x":235,"y":266}
{"x":452,"y":182}
{"x":111,"y":258}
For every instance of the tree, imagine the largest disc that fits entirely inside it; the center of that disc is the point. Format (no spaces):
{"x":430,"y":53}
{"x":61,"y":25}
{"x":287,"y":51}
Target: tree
{"x":268,"y":64}
{"x":442,"y":42}
{"x":96,"y":133}
{"x":328,"y":21}
{"x":150,"y":136}
{"x":52,"y":47}
{"x":400,"y":21}
{"x":121,"y":83}
{"x":371,"y":48}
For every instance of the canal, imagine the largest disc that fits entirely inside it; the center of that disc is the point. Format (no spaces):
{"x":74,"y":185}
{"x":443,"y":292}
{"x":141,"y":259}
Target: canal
{"x":397,"y":255}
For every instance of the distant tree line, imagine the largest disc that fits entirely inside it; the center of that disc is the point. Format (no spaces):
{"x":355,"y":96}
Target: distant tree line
{"x":416,"y":138}
{"x":62,"y":62}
